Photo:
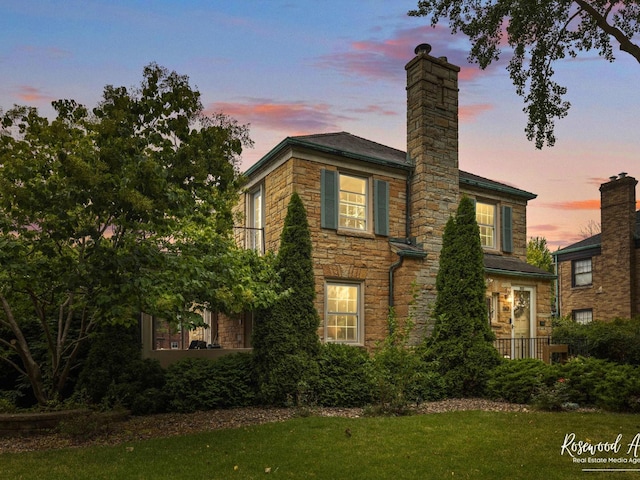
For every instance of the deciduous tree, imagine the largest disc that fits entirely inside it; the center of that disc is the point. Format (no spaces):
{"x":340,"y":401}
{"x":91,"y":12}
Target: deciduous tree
{"x":539,"y":33}
{"x":114,"y":211}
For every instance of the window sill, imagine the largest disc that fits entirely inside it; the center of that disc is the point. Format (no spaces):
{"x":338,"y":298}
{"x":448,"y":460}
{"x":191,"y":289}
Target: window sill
{"x":355,"y":233}
{"x":582,"y":287}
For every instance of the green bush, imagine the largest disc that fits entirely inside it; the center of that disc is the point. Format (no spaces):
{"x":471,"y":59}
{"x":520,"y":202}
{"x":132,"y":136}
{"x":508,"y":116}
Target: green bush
{"x":400,"y":374}
{"x":619,"y":390}
{"x":583,"y":375}
{"x":519,"y":381}
{"x":617,"y":341}
{"x":345,"y":376}
{"x":115,"y":375}
{"x":201,"y":384}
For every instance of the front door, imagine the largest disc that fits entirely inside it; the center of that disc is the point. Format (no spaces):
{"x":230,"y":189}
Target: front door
{"x":523,"y":326}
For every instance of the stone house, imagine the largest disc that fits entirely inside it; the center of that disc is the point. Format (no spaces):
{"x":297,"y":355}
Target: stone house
{"x":597,"y":276}
{"x":377,"y":215}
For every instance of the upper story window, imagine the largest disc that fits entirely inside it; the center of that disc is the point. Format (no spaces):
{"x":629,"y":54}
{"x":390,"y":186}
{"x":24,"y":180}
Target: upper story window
{"x":346,"y":204}
{"x":255,"y":230}
{"x":581,"y":272}
{"x":486,"y":218}
{"x":353,"y":202}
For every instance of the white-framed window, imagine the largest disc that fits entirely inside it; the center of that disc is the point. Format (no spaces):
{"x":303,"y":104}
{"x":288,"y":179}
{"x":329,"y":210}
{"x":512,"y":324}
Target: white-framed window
{"x":255,"y":230}
{"x":582,"y":272}
{"x":353,"y":202}
{"x":582,"y":316}
{"x":486,"y":218}
{"x":343,"y":312}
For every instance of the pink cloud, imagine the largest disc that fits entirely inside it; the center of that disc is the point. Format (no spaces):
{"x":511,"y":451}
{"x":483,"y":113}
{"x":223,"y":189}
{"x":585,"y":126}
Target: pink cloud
{"x":543,"y":228}
{"x":593,"y":204}
{"x":30,"y":94}
{"x":376,"y":110}
{"x":468,"y":113}
{"x":295,"y":117}
{"x":385,"y":59}
{"x":46,"y":52}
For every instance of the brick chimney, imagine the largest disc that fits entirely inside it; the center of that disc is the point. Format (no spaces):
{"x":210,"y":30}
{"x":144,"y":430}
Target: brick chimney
{"x":432,"y":146}
{"x":618,"y":221}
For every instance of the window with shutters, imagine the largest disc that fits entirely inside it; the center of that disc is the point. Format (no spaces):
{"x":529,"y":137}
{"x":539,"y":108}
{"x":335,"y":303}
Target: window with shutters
{"x":486,"y":218}
{"x":353,"y":202}
{"x":346,"y":204}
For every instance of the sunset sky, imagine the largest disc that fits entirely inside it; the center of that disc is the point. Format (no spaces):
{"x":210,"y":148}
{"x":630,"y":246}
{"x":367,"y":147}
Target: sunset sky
{"x":292,"y":67}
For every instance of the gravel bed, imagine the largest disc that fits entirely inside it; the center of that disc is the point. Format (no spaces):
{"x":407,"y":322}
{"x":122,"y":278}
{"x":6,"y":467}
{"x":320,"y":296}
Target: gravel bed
{"x":172,"y":424}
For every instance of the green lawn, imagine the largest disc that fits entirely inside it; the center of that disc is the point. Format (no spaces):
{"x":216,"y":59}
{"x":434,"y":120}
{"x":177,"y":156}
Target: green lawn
{"x":473,"y":445}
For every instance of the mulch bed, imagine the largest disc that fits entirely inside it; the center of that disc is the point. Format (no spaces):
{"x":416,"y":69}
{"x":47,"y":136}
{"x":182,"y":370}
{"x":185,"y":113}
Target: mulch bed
{"x":173,"y":424}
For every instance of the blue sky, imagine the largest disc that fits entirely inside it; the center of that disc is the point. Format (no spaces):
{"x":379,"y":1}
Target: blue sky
{"x":296,"y":67}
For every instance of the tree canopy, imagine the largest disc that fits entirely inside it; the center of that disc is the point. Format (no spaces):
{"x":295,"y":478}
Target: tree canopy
{"x":539,"y":33}
{"x":109,"y":212}
{"x":538,"y":254}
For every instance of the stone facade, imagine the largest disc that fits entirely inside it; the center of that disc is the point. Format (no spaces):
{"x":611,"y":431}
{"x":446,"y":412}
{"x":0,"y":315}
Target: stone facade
{"x":613,"y":289}
{"x":392,"y":258}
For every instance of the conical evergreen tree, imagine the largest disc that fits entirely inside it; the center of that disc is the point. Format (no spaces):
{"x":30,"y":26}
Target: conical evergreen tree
{"x":461,"y":343}
{"x":285,"y":338}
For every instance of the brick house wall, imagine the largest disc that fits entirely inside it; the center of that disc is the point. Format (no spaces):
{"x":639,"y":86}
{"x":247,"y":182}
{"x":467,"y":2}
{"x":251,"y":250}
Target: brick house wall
{"x":613,"y":291}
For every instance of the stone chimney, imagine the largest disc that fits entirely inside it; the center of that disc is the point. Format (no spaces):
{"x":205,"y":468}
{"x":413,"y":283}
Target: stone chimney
{"x":432,"y":146}
{"x":618,"y":221}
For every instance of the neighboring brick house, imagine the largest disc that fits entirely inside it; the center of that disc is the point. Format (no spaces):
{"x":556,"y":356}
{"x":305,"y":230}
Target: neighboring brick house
{"x":377,"y":215}
{"x":597,"y":277}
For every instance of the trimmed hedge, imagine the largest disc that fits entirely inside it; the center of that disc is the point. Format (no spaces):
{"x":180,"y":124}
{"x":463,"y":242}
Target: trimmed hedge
{"x":202,"y":384}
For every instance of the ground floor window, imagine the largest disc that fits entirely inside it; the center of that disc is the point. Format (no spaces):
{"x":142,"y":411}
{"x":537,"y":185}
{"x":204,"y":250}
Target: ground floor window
{"x":582,"y":316}
{"x":343,"y":312}
{"x":173,"y":336}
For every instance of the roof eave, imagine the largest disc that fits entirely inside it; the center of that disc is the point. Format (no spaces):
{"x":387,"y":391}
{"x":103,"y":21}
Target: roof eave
{"x":295,"y":142}
{"x":576,"y":249}
{"x":512,"y":273}
{"x":499,"y":188}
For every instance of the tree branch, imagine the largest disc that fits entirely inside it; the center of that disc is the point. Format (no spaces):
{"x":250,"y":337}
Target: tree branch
{"x":626,"y":45}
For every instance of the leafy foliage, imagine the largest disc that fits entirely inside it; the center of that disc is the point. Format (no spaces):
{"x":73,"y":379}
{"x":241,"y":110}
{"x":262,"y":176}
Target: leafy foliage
{"x":461,"y":342}
{"x":115,"y":375}
{"x":401,"y":376}
{"x":538,"y":35}
{"x":617,"y":341}
{"x":107,"y":213}
{"x":345,"y":377}
{"x":285,"y":337}
{"x":203,"y":384}
{"x":518,"y":381}
{"x":538,"y":254}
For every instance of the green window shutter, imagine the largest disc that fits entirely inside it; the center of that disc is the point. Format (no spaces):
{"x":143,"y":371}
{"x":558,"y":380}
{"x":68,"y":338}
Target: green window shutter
{"x":329,"y":199}
{"x":507,"y":230}
{"x":381,"y":207}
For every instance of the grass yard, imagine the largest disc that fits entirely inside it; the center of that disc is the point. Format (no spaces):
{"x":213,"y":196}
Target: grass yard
{"x":454,"y":445}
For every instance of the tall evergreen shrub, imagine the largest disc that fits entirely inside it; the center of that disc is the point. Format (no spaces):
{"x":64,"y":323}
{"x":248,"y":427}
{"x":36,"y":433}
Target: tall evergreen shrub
{"x":461,"y":343}
{"x":285,"y":338}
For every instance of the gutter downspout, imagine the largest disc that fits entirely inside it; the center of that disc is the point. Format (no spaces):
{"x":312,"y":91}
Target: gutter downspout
{"x":394,"y":266}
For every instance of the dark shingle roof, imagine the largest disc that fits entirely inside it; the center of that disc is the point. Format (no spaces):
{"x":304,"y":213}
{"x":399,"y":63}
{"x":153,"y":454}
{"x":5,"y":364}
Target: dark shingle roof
{"x":358,"y":148}
{"x":592,"y":242}
{"x":512,"y":266}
